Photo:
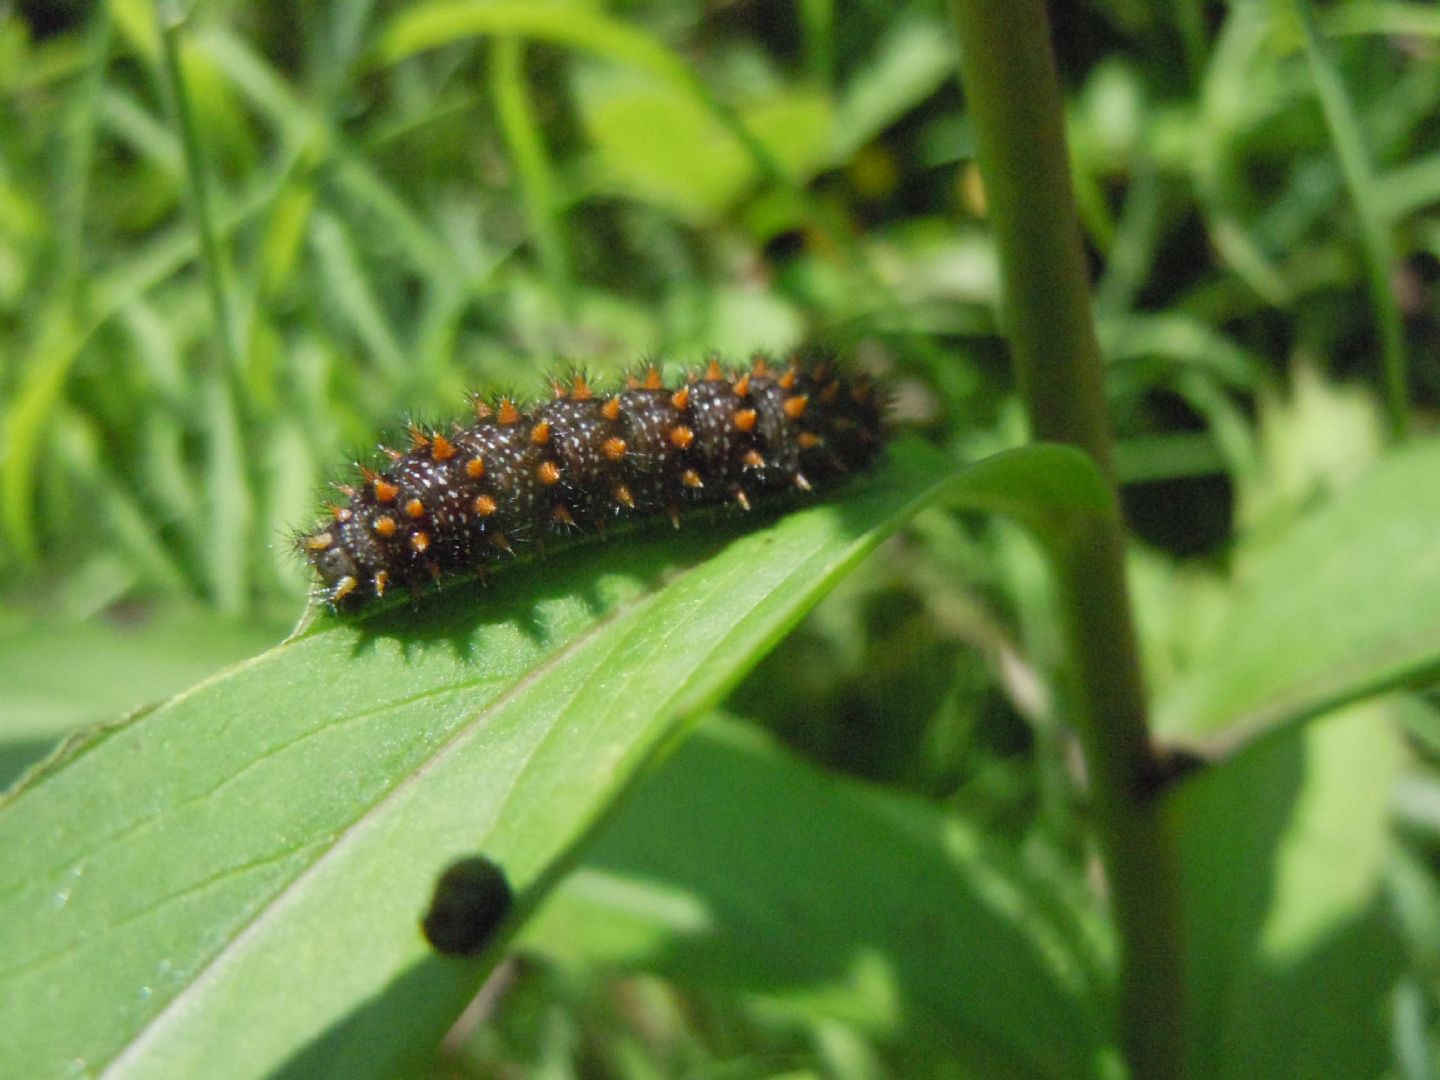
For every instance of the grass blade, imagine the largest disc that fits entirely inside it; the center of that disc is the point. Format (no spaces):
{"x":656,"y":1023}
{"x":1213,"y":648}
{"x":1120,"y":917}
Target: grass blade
{"x":1355,"y":165}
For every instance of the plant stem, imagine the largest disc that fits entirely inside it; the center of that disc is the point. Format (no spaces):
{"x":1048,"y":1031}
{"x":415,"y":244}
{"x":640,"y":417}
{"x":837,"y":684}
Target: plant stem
{"x":1013,"y":97}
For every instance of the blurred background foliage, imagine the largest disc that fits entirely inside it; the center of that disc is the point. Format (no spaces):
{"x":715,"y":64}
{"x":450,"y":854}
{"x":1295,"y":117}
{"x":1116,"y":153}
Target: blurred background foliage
{"x":352,"y":212}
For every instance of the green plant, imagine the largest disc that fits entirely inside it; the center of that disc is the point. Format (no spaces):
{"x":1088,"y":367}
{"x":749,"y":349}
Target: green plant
{"x":275,"y":237}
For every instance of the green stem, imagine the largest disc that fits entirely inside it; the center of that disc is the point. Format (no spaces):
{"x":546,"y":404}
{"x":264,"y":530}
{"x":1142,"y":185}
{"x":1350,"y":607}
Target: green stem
{"x":1014,"y":101}
{"x":1013,"y":97}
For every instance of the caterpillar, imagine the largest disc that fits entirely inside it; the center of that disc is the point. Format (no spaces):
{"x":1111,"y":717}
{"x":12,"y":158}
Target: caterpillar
{"x":459,"y":501}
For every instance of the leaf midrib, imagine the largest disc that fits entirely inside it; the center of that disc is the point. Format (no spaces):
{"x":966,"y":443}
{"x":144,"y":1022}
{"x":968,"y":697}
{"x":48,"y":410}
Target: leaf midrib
{"x":277,"y":903}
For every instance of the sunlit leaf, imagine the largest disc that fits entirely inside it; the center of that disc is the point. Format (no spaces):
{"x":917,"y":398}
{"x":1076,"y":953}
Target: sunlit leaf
{"x":162,"y":877}
{"x":1345,"y":603}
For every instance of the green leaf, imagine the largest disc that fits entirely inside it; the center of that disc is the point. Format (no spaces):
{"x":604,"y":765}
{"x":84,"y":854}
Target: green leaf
{"x":233,"y":880}
{"x":123,"y":666}
{"x":442,"y":22}
{"x":739,"y":867}
{"x":1291,"y":948}
{"x":168,"y":882}
{"x":910,"y":62}
{"x":1346,"y":603}
{"x":27,"y":424}
{"x":1045,"y":487}
{"x":162,"y":878}
{"x":673,"y":149}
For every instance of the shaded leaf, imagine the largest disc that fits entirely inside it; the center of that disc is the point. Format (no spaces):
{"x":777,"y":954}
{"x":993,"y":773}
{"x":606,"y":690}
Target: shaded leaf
{"x":736,"y":866}
{"x":1283,"y":851}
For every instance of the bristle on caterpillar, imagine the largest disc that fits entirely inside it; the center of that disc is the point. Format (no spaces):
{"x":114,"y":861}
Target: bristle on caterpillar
{"x":577,"y":461}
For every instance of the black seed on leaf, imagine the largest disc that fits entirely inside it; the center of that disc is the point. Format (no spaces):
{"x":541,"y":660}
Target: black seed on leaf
{"x":471,"y":899}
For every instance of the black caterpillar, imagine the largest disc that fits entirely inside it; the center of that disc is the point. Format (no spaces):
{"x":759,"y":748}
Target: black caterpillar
{"x":459,"y":501}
